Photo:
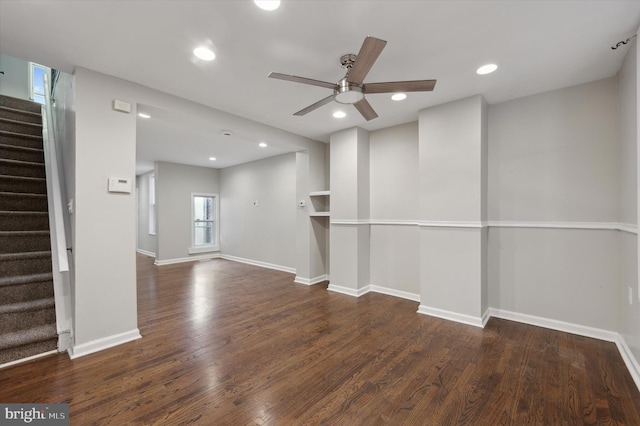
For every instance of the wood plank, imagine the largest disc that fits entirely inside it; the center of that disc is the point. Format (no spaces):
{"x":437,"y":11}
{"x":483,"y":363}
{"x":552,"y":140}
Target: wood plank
{"x":229,"y":343}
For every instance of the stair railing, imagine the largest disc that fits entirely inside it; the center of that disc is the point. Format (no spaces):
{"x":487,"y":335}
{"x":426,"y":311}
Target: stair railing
{"x":60,"y":258}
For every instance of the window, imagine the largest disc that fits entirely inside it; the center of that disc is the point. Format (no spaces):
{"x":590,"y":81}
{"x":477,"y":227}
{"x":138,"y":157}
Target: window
{"x":152,"y":205}
{"x":204,"y":223}
{"x":36,"y":82}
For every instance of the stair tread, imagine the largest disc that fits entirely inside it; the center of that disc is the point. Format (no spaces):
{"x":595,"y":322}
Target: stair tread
{"x":21,"y":148}
{"x":10,"y":233}
{"x":22,"y":213}
{"x":27,"y":178}
{"x":24,"y":135}
{"x":31,"y":305}
{"x":22,"y":111}
{"x":21,"y":162}
{"x":26,"y":255}
{"x":26,"y":279}
{"x":30,"y":335}
{"x":21,"y":194}
{"x":11,"y":121}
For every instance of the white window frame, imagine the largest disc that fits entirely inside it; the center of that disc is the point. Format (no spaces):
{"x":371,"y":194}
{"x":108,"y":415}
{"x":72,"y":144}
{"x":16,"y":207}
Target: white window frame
{"x":32,"y":95}
{"x":216,"y":225}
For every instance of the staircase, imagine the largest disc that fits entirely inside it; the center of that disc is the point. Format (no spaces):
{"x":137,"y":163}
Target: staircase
{"x":27,"y":310}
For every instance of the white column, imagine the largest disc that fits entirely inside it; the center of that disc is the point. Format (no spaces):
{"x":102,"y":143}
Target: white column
{"x":453,"y":194}
{"x":349,"y":234}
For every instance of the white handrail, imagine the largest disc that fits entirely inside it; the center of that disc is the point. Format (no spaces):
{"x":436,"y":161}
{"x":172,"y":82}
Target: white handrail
{"x":58,"y":235}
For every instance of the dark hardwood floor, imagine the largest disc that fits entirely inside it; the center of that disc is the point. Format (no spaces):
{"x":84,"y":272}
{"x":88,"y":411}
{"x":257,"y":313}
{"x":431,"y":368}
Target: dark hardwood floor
{"x":231,"y":344}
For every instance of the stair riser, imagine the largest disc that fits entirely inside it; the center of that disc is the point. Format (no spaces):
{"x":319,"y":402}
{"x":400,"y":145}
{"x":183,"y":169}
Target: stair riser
{"x":16,"y":321}
{"x":22,"y":169}
{"x":15,"y":103}
{"x":18,"y":140}
{"x":11,"y":152}
{"x":24,"y":243}
{"x":22,"y":203}
{"x":21,"y":127}
{"x":26,"y":351}
{"x":24,"y":186}
{"x":23,"y":222}
{"x":26,"y":292}
{"x":18,"y":115}
{"x":18,"y":267}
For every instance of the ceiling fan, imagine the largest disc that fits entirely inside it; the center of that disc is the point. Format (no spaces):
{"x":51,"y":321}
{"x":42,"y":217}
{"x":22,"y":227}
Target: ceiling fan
{"x":351,"y":88}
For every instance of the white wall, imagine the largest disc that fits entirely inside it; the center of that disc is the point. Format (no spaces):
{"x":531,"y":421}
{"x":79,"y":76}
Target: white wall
{"x":146,"y":242}
{"x":554,"y":158}
{"x":15,"y":80}
{"x":265,"y":233}
{"x":394,"y":200}
{"x":104,"y":223}
{"x":174,"y":185}
{"x":628,"y":80}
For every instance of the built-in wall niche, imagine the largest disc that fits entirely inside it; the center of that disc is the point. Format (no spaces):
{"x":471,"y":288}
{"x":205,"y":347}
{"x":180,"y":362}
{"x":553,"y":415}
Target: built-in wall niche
{"x":320,"y":204}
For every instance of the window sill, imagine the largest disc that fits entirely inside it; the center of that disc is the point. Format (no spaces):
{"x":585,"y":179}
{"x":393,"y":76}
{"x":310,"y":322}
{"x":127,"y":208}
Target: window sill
{"x":203,"y":249}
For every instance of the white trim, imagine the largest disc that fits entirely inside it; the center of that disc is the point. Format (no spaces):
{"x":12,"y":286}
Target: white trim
{"x":567,"y":327}
{"x":259,"y":263}
{"x":629,"y":359}
{"x":146,"y":253}
{"x":350,"y":222}
{"x":186,"y":259}
{"x":319,"y":214}
{"x":29,"y":358}
{"x":311,"y":281}
{"x":394,"y":222}
{"x":393,"y":292}
{"x":319,"y":193}
{"x":454,"y":316}
{"x":349,"y":291}
{"x":608,"y":226}
{"x":451,"y":224}
{"x":203,"y":249}
{"x":103,"y":343}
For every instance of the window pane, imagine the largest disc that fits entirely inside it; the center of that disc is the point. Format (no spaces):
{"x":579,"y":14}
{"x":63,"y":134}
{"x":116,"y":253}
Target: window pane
{"x":203,"y":208}
{"x":38,"y":81}
{"x":204,"y":233}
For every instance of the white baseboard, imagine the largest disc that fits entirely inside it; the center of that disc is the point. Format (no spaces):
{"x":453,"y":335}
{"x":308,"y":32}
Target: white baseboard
{"x":454,"y":316}
{"x":29,"y":358}
{"x":349,"y":291}
{"x":103,"y":343}
{"x":311,"y":281}
{"x":393,"y":292}
{"x":582,"y":330}
{"x":629,"y":359}
{"x":146,"y":253}
{"x":259,"y":263}
{"x":187,"y":259}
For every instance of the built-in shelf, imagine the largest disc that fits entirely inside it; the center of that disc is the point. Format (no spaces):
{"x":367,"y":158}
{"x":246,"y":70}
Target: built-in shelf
{"x":320,"y":203}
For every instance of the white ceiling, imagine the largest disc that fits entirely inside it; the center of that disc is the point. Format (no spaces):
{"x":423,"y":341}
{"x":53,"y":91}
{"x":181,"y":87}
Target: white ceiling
{"x":538,"y":45}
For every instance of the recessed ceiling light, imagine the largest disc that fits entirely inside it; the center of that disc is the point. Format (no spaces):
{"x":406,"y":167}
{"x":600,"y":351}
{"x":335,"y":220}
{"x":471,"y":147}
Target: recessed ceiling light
{"x":399,"y":96}
{"x":267,"y":4}
{"x":487,"y":69}
{"x":262,"y":145}
{"x":339,"y":114}
{"x":143,"y":115}
{"x":212,"y":158}
{"x":204,"y":53}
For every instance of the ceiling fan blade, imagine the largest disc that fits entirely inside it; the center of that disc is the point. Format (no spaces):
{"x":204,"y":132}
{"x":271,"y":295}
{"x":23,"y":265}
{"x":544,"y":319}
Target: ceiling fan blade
{"x":302,"y":80}
{"x":315,"y":106}
{"x":365,"y":109}
{"x":369,"y":52}
{"x":400,"y":86}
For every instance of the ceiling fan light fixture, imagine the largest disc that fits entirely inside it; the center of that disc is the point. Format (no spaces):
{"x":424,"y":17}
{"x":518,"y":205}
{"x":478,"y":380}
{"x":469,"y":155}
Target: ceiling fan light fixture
{"x":347,"y":93}
{"x":487,"y":69}
{"x":267,"y":4}
{"x":204,"y":53}
{"x":399,"y":96}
